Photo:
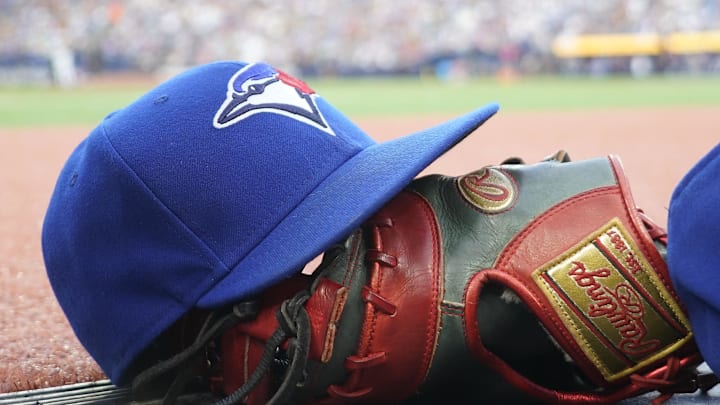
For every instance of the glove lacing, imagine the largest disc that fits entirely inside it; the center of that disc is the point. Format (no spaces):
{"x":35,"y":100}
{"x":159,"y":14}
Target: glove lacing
{"x":295,"y":329}
{"x":675,"y":380}
{"x":182,"y":361}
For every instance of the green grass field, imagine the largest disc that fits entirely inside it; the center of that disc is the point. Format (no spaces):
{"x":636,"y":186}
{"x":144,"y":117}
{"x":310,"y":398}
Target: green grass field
{"x":372,"y":97}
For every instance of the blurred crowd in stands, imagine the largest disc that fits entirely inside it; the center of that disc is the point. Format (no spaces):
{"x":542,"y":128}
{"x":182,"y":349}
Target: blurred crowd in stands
{"x":445,"y":37}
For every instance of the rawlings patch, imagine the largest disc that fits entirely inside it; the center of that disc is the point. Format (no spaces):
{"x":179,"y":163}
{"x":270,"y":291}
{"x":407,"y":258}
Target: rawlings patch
{"x":490,"y":189}
{"x":258,"y":88}
{"x":613,"y":304}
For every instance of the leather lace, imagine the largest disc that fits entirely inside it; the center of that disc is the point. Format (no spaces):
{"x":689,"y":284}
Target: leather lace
{"x":295,"y":329}
{"x":675,"y":380}
{"x":213,"y":326}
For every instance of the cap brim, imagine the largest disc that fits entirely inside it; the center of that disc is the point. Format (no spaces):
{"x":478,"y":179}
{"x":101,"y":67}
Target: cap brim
{"x":340,"y":204}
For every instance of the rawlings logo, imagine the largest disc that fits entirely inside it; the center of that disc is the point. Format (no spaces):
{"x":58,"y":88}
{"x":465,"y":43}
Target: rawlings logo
{"x":621,"y":306}
{"x":490,"y":189}
{"x":258,"y":88}
{"x":612,"y":303}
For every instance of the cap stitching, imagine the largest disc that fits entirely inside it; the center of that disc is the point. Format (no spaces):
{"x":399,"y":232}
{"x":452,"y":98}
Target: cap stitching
{"x":123,"y":352}
{"x":184,"y":238}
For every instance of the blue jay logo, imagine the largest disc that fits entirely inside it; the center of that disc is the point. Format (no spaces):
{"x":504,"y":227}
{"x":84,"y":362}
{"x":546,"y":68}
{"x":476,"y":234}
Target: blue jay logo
{"x":258,"y":88}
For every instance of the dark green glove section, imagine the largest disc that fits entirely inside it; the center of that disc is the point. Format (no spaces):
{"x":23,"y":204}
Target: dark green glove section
{"x":474,"y":232}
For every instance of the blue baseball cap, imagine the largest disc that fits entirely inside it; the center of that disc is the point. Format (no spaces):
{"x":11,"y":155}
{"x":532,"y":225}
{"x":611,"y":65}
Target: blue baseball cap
{"x":207,"y":190}
{"x":693,"y":251}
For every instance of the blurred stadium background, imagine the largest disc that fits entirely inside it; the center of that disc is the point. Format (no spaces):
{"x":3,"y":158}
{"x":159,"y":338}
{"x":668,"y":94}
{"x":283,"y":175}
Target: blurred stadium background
{"x":638,"y":78}
{"x":67,"y":41}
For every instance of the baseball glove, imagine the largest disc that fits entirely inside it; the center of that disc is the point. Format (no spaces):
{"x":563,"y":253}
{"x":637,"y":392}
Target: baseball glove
{"x":536,"y":282}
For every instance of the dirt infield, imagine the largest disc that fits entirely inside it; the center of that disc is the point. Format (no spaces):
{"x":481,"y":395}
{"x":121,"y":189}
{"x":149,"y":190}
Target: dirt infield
{"x":37,"y":346}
